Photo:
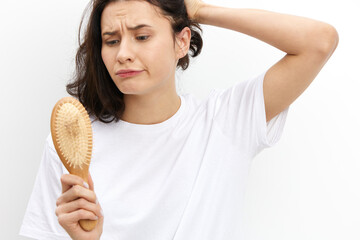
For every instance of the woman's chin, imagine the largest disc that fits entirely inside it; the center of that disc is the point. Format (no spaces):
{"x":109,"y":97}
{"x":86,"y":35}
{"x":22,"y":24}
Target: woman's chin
{"x":130,"y":89}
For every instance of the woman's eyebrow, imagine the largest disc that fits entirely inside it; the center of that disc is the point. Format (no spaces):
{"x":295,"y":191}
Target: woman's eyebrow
{"x":129,"y":28}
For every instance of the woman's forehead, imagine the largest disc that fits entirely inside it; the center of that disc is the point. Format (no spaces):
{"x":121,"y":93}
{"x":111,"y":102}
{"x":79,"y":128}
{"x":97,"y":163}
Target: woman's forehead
{"x":130,"y":12}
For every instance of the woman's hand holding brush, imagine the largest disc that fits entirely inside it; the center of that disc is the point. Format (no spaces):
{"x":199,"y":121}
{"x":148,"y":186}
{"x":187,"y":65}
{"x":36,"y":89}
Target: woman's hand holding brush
{"x":78,"y":202}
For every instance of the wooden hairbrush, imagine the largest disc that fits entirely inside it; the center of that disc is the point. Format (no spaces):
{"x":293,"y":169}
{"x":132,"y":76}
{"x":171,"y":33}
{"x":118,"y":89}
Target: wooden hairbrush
{"x":72,"y":136}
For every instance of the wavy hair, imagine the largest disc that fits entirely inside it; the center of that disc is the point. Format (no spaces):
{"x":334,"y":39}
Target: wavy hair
{"x":92,"y":84}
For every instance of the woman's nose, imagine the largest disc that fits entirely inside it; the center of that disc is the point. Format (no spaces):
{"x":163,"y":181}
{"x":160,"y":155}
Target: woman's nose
{"x":125,"y":52}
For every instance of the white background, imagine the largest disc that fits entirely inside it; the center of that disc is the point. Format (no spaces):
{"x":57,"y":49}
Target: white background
{"x":305,"y":187}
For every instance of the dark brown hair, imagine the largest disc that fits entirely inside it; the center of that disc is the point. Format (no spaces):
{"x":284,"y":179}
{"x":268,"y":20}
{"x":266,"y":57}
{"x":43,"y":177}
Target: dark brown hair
{"x":92,"y":84}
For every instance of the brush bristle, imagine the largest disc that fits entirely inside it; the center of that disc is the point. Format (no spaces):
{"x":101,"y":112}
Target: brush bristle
{"x":74,"y":134}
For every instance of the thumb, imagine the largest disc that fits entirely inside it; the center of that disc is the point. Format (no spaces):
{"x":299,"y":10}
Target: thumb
{"x":91,"y":183}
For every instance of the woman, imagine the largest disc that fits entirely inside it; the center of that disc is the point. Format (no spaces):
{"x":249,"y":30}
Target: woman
{"x":167,"y":166}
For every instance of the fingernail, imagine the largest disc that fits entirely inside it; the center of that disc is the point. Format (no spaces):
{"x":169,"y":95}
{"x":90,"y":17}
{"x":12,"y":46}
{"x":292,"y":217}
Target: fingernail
{"x":97,"y":201}
{"x":102,"y":212}
{"x":86,"y":185}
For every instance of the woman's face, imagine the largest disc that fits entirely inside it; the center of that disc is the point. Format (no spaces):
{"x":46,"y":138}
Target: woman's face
{"x":148,"y":49}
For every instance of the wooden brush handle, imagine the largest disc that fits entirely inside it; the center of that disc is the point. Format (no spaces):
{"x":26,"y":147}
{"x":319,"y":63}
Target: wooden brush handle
{"x":87,"y":224}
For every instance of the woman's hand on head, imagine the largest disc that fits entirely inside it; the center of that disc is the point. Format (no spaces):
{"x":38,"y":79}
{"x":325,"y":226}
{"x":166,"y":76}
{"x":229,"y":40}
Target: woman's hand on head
{"x":78,"y":202}
{"x":192,"y":8}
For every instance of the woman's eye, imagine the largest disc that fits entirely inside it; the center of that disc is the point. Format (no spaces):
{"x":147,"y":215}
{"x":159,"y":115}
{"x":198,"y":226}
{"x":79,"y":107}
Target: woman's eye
{"x":142,"y":38}
{"x":113,"y":42}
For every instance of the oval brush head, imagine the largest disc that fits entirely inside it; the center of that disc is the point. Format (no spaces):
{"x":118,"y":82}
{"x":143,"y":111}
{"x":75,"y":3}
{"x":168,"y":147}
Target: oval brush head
{"x":72,"y":137}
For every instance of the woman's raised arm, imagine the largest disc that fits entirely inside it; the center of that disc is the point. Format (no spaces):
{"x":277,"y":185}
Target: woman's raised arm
{"x":308,"y":43}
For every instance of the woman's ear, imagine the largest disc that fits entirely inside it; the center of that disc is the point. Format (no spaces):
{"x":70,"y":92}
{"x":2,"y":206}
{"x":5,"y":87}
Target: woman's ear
{"x":182,"y":40}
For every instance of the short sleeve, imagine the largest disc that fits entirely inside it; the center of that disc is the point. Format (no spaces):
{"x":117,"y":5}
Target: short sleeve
{"x":40,"y":221}
{"x":239,"y":112}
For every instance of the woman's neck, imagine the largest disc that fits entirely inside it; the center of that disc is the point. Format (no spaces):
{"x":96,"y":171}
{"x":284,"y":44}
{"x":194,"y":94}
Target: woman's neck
{"x":151,"y":108}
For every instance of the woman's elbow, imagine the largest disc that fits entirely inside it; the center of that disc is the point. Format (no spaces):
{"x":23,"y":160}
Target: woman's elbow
{"x":328,"y":40}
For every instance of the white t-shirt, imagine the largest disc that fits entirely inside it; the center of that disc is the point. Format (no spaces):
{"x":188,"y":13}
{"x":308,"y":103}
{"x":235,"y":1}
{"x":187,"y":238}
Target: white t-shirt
{"x":182,"y":179}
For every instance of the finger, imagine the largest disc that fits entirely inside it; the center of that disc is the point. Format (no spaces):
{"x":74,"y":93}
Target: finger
{"x":80,"y":203}
{"x":91,"y":183}
{"x":83,"y":214}
{"x":74,"y":217}
{"x":76,"y":192}
{"x":69,"y":180}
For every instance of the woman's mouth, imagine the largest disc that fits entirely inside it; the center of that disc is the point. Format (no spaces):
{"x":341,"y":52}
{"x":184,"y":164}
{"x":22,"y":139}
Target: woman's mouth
{"x":126,"y":73}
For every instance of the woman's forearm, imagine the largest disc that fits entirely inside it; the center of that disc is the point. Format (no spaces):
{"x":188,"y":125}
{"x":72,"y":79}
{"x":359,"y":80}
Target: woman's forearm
{"x":291,"y":34}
